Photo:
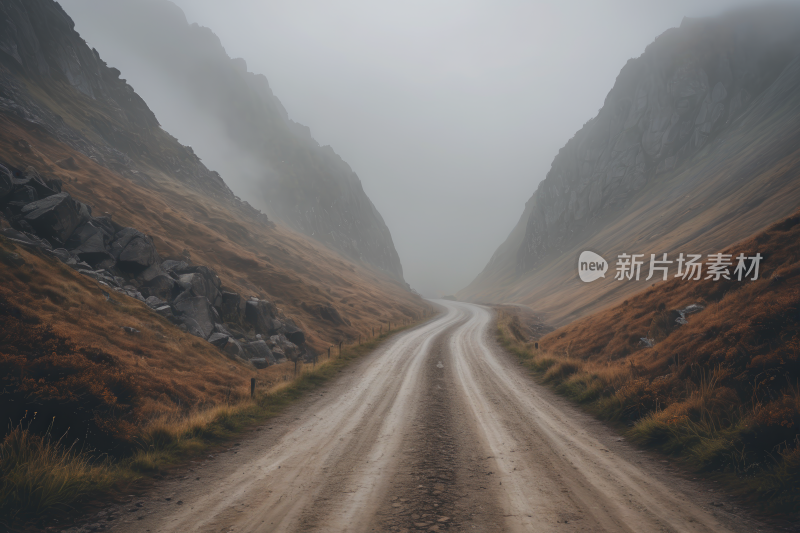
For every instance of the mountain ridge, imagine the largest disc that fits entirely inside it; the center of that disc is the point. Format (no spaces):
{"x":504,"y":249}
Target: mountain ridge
{"x":243,"y":126}
{"x":665,"y":124}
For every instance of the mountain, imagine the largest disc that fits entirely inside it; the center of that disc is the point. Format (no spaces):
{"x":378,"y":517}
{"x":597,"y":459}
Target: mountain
{"x":695,"y":147}
{"x":230,"y":115}
{"x":88,"y":176}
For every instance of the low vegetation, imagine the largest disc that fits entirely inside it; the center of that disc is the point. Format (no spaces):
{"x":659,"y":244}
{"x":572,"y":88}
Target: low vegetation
{"x":721,"y":391}
{"x":81,"y":419}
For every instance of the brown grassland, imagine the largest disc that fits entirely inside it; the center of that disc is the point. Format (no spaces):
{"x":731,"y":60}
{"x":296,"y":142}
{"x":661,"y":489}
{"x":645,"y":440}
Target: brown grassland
{"x":722,"y":391}
{"x":87,"y":405}
{"x":90,"y":407}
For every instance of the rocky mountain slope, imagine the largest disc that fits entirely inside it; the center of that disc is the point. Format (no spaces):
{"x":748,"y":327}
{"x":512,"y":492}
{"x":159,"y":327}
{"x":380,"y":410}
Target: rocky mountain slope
{"x":90,"y":177}
{"x":276,"y":160}
{"x":695,"y":147}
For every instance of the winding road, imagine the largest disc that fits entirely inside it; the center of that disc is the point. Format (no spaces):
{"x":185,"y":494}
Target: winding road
{"x":437,"y":430}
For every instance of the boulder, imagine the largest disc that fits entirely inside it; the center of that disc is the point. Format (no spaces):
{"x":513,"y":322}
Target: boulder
{"x":283,"y":347}
{"x":23,"y":195}
{"x":122,"y":238}
{"x":91,"y":243}
{"x":219,"y":339}
{"x":199,"y":312}
{"x":220,"y":328}
{"x":139,"y":254}
{"x":27,"y":239}
{"x":161,"y":286}
{"x":55,"y":216}
{"x":293,"y":333}
{"x":201,"y":283}
{"x":179,"y":266}
{"x":43,"y":187}
{"x":6,"y":183}
{"x":232,"y":307}
{"x":259,"y":350}
{"x":192,"y":326}
{"x":62,"y":254}
{"x":166,"y":312}
{"x":154,"y":302}
{"x":259,"y":362}
{"x":260,"y":315}
{"x":84,"y":211}
{"x":233,"y":348}
{"x":151,"y":272}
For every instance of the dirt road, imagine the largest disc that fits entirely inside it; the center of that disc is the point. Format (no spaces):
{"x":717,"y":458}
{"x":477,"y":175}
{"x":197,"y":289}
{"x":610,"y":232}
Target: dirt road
{"x":438,"y":430}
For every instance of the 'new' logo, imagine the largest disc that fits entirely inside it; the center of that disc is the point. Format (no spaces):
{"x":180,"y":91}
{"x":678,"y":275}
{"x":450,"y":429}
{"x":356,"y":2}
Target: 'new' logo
{"x":591,"y":266}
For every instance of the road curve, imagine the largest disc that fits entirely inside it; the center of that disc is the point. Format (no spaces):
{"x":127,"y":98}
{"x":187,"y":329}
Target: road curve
{"x":438,"y":430}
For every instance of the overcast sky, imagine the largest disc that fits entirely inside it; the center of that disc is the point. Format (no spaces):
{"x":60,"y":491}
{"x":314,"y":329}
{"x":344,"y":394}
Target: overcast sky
{"x":450,"y":112}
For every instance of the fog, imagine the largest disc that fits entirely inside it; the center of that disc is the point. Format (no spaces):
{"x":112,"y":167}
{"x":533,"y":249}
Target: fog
{"x":450,"y":112}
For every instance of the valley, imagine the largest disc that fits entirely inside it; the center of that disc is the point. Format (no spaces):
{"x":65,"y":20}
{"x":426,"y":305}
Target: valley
{"x":437,"y":431}
{"x":176,"y":356}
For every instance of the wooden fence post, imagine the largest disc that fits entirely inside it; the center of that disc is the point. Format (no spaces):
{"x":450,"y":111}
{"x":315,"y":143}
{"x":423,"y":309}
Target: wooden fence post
{"x":252,"y":387}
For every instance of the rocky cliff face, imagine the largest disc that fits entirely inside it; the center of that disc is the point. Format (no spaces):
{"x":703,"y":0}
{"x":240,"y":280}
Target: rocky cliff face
{"x":690,"y":85}
{"x":87,"y":175}
{"x":38,"y":42}
{"x":306,"y":186}
{"x":694,"y":149}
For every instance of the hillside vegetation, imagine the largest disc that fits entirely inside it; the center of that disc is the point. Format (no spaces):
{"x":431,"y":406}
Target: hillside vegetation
{"x":694,"y":148}
{"x":721,"y":391}
{"x":90,"y":406}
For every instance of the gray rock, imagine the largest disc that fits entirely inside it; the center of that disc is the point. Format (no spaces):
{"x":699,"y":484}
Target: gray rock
{"x":220,"y":328}
{"x":26,"y":239}
{"x":199,"y":313}
{"x":24,"y":194}
{"x":169,"y":265}
{"x":200,"y":285}
{"x":154,"y":302}
{"x":232,"y":307}
{"x":161,"y":286}
{"x":233,"y":349}
{"x":6,"y":185}
{"x":55,"y":216}
{"x":219,"y":339}
{"x":62,"y":254}
{"x":293,"y":333}
{"x":260,"y":315}
{"x":91,"y":243}
{"x":260,"y":362}
{"x":84,"y":211}
{"x":138,"y":254}
{"x":192,"y":326}
{"x":151,"y":272}
{"x":165,"y":311}
{"x":259,"y":350}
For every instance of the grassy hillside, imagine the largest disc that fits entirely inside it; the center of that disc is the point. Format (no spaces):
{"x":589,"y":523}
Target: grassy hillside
{"x":743,"y":179}
{"x":721,"y":391}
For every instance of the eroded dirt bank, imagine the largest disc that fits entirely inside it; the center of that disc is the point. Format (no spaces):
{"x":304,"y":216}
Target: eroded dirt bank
{"x":438,"y":430}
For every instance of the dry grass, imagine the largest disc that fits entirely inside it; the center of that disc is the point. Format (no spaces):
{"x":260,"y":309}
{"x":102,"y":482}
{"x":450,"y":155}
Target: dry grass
{"x":729,"y":190}
{"x":40,"y":474}
{"x":273,"y":263}
{"x":152,"y":398}
{"x":52,"y":380}
{"x":722,"y":391}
